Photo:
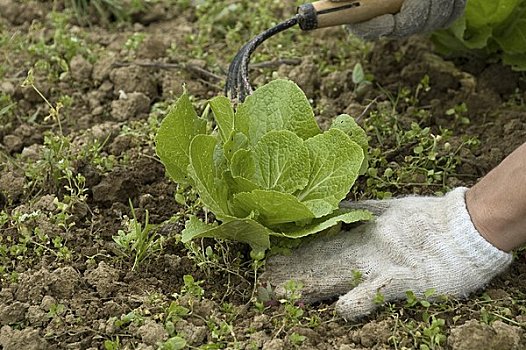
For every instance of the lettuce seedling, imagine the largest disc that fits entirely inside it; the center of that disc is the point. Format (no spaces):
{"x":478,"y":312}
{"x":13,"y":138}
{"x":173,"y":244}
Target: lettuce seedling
{"x":266,"y":169}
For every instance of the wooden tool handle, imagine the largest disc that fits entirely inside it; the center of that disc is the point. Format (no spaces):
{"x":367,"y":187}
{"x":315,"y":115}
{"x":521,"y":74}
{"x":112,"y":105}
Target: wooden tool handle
{"x":327,"y":13}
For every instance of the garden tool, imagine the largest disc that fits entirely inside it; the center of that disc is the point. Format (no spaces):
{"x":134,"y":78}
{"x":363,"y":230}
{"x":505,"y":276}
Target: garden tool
{"x":319,"y":14}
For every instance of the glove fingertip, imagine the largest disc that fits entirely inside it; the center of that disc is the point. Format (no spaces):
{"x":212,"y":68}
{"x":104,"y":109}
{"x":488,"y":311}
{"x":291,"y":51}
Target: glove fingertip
{"x":352,"y":309}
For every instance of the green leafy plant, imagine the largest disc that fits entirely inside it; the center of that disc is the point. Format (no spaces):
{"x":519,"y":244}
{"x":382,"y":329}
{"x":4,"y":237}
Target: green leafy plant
{"x":266,"y":169}
{"x":489,"y":28}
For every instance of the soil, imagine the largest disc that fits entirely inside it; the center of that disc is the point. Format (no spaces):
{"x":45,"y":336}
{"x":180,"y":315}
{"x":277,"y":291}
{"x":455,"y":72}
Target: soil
{"x":70,"y":286}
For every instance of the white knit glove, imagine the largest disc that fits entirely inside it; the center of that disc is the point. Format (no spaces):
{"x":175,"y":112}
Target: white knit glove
{"x":415,"y":244}
{"x":416,"y":16}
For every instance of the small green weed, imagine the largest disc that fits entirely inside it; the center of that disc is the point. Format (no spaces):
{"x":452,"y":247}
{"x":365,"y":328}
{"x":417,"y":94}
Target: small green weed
{"x":296,"y":339}
{"x":133,"y":43}
{"x":425,"y":329}
{"x":192,"y":287}
{"x":138,"y":241}
{"x":360,"y":80}
{"x":174,"y":343}
{"x":53,"y":57}
{"x":409,"y":155}
{"x":112,"y":344}
{"x":104,"y":8}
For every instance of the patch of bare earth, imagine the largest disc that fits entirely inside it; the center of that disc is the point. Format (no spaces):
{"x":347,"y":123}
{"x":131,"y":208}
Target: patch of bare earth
{"x":51,"y":301}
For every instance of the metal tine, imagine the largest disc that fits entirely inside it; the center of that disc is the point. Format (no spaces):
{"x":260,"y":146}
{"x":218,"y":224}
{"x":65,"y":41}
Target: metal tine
{"x":238,"y":84}
{"x":232,"y":82}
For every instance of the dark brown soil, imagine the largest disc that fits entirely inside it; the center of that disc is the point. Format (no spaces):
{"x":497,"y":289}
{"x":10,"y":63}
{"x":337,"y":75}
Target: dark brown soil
{"x":75,"y":289}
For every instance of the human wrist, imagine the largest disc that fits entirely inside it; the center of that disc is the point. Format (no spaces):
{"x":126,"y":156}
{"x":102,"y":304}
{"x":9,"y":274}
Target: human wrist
{"x":469,"y":241}
{"x":490,"y":224}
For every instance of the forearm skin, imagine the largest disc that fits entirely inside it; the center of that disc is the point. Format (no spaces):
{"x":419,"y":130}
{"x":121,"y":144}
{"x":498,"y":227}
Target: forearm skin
{"x":497,"y":204}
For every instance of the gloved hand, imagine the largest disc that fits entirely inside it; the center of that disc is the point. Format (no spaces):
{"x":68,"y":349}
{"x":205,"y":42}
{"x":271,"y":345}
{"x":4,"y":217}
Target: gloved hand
{"x":415,"y":243}
{"x":416,"y":16}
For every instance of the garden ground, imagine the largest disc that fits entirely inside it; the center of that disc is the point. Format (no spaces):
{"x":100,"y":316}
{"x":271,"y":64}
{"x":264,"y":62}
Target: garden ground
{"x":90,"y":251}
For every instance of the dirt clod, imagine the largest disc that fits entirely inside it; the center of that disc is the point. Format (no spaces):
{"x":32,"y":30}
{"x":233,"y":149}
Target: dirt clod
{"x":27,"y":339}
{"x":80,"y":69}
{"x":193,"y":334}
{"x":104,"y":279}
{"x":274,"y":344}
{"x":134,"y":79}
{"x":152,"y":332}
{"x":130,"y":106}
{"x":64,"y":282}
{"x":375,"y":333}
{"x":12,"y":313}
{"x":476,"y":335}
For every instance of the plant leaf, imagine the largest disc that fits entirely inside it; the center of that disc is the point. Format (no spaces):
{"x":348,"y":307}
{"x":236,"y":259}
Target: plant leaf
{"x":318,"y":225}
{"x":224,"y":116}
{"x":238,"y":184}
{"x":236,"y":141}
{"x":279,"y":105}
{"x":348,"y":125}
{"x":243,"y":164}
{"x":335,"y":162}
{"x":207,"y":175}
{"x":273,"y":208}
{"x":281,"y":162}
{"x":481,"y":13}
{"x":244,"y":230}
{"x":173,"y":139}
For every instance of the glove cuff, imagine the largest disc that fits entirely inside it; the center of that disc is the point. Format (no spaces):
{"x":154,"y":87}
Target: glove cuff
{"x":484,"y":258}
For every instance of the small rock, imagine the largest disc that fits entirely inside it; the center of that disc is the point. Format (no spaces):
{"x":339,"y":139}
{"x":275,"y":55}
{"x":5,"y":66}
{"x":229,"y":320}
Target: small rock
{"x":260,"y":321}
{"x":97,"y":111}
{"x":346,"y":347}
{"x":28,"y":133}
{"x":121,"y":144}
{"x":153,"y":47}
{"x":32,"y":285}
{"x":104,"y":131}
